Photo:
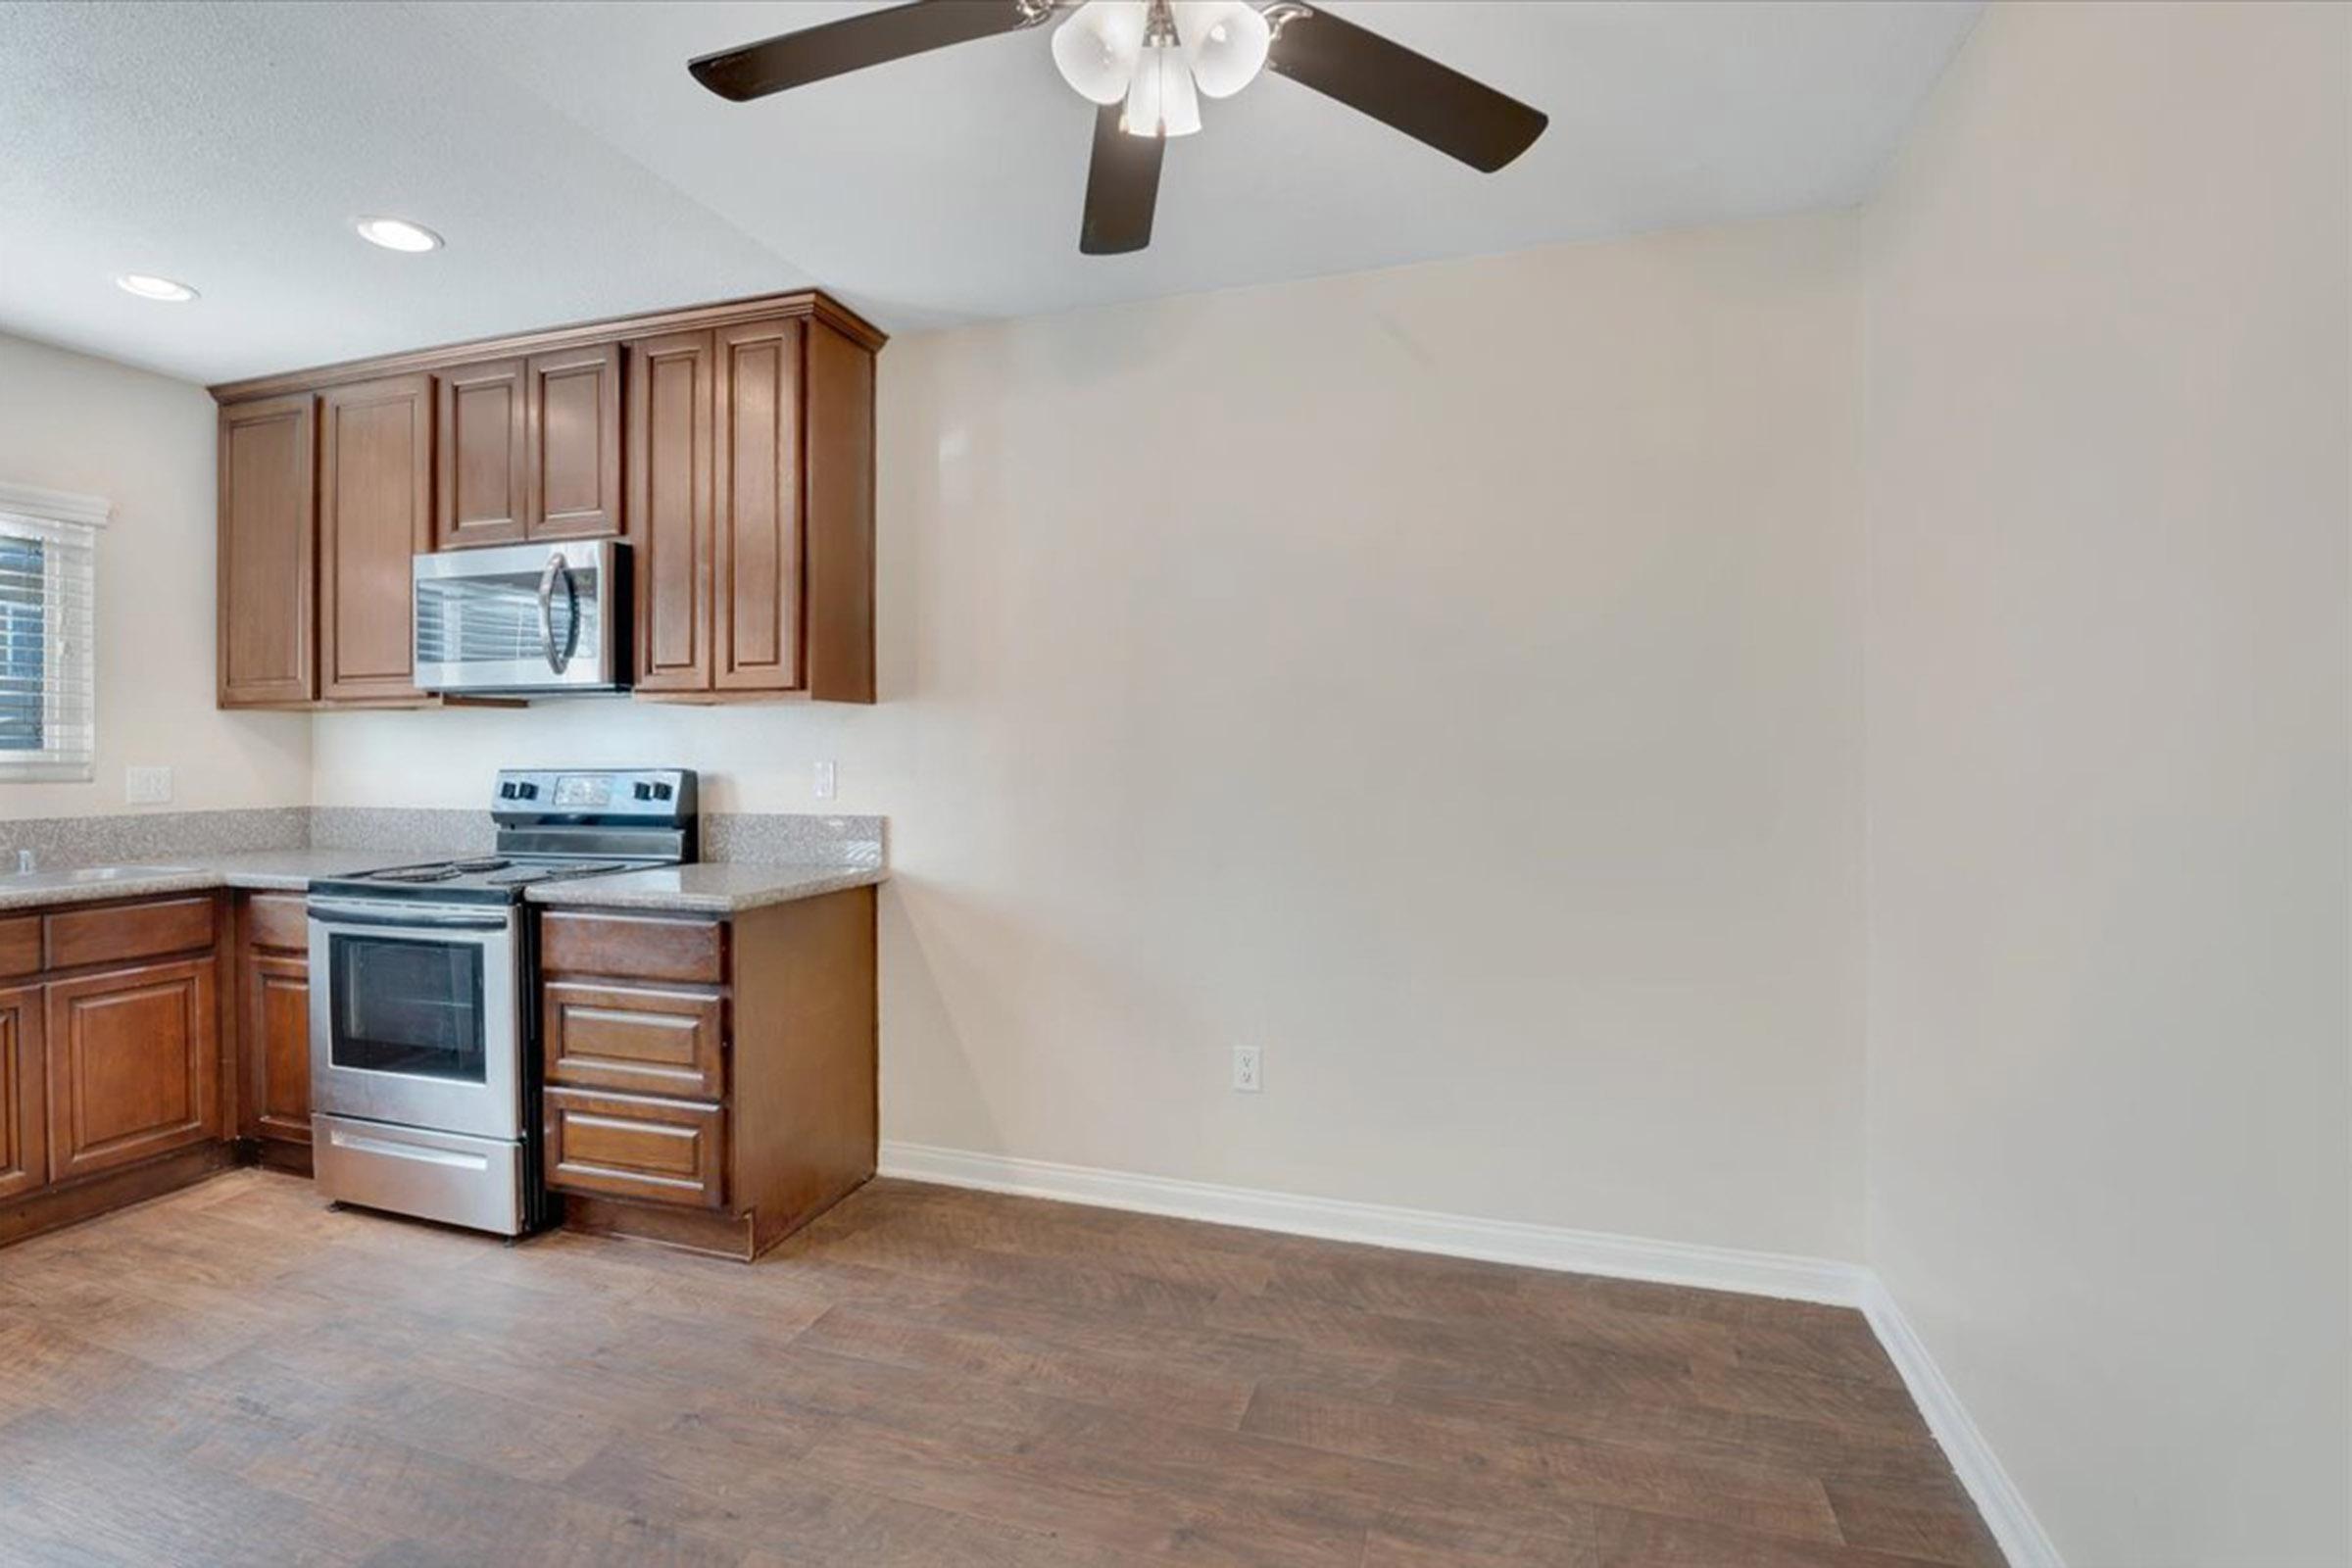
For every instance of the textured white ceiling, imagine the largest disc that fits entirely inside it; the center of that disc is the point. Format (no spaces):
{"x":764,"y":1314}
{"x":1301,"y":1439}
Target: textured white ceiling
{"x":577,"y":171}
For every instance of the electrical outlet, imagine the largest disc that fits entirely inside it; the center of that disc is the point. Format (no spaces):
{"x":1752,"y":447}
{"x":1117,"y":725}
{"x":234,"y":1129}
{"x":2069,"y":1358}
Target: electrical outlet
{"x":1248,"y":1069}
{"x":146,"y":786}
{"x":821,"y":780}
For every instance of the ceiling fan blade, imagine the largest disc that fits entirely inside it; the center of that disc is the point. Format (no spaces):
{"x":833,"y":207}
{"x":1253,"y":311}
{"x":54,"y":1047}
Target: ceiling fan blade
{"x":853,"y":43}
{"x":1428,"y":101}
{"x":1122,"y":187}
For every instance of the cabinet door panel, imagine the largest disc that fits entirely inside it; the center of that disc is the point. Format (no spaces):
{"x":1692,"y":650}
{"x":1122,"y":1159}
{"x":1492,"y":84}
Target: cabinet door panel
{"x":483,"y":474}
{"x":669,"y":508}
{"x":24,"y":1094}
{"x":375,"y":513}
{"x":276,"y":1045}
{"x":268,"y":531}
{"x":574,"y":412}
{"x":756,"y":559}
{"x":135,"y":1065}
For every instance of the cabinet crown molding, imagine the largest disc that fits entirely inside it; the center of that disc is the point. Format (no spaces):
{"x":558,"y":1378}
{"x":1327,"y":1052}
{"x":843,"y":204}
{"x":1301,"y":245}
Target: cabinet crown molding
{"x":803,"y":301}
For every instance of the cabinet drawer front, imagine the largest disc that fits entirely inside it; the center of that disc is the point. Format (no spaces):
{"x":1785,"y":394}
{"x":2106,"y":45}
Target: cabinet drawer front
{"x":20,"y":945}
{"x":637,"y":1041}
{"x":631,"y":947}
{"x":278,"y":920}
{"x":123,"y":932}
{"x":618,"y":1146}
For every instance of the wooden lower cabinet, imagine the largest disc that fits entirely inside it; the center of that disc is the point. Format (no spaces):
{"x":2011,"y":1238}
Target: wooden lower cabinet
{"x":277,"y":1045}
{"x":112,"y":1038}
{"x":273,"y":1026}
{"x":135,"y":1065}
{"x":709,"y":1084}
{"x":24,"y":1094}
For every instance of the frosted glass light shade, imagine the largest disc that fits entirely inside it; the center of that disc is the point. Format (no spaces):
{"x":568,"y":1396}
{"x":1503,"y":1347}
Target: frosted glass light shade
{"x":1095,"y":49}
{"x":1160,"y":101}
{"x":1225,"y":41}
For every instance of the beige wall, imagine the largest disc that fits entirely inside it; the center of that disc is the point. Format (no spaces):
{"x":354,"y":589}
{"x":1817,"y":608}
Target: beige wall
{"x":145,"y":443}
{"x":1446,"y":677}
{"x":2108,"y":500}
{"x":1452,"y":679}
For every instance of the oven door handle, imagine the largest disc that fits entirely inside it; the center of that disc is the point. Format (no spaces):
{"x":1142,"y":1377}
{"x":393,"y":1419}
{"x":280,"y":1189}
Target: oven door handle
{"x":337,"y":915}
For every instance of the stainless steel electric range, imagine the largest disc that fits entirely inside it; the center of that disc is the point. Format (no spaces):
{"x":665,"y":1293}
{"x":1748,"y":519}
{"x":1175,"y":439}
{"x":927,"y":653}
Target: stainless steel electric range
{"x":424,"y":1080}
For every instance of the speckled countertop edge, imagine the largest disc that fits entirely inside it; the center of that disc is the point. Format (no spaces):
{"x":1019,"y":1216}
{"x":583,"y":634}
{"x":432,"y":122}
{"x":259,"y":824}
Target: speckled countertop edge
{"x":252,"y":871}
{"x":710,"y":887}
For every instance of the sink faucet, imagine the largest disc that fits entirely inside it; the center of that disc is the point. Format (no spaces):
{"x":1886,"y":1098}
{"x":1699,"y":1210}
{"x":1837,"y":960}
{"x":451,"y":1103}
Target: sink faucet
{"x":27,"y":862}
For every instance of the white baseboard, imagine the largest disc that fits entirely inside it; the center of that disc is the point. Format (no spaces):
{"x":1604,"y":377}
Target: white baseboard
{"x":2019,"y":1534}
{"x":1497,"y":1241}
{"x":1716,"y":1269}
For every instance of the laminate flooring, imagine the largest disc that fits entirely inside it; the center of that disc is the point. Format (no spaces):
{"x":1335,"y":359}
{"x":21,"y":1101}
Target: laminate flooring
{"x":237,"y":1374}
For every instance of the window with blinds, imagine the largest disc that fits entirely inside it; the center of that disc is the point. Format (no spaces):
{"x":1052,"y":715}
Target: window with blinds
{"x":47,"y":619}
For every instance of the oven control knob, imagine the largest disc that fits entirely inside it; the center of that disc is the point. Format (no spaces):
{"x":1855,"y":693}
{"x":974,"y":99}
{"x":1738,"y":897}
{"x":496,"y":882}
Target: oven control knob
{"x":526,"y":792}
{"x":661,"y":792}
{"x":644,"y":792}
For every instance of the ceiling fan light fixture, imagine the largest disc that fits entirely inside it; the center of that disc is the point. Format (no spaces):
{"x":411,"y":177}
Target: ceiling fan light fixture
{"x":1225,"y":42}
{"x":1097,"y":49}
{"x":1160,"y":101}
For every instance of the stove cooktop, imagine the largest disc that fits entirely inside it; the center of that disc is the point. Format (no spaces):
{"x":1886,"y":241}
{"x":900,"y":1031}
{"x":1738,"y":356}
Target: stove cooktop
{"x":484,"y":879}
{"x":552,"y":825}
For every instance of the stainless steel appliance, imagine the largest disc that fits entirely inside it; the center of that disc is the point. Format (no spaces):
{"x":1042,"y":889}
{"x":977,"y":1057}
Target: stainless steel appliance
{"x":522,"y":618}
{"x":424,"y":1080}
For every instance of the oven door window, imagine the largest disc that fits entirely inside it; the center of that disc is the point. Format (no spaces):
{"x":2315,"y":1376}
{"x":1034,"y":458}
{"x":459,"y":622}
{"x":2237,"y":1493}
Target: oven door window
{"x":408,"y":1006}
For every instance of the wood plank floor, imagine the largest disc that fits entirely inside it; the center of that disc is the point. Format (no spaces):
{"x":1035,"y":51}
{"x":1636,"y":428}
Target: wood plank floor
{"x":237,"y":1374}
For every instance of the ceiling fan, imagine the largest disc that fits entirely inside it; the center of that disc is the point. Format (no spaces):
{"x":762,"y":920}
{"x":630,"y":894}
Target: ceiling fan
{"x":1147,"y":63}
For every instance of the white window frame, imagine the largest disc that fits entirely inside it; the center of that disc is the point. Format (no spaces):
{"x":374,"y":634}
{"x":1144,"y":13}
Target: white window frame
{"x":72,"y":521}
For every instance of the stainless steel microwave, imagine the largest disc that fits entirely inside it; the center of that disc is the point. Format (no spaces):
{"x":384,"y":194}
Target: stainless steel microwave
{"x":522,"y":618}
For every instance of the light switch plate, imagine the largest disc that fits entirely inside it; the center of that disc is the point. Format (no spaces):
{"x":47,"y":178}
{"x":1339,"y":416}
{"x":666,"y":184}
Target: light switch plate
{"x":146,"y":786}
{"x":821,"y":781}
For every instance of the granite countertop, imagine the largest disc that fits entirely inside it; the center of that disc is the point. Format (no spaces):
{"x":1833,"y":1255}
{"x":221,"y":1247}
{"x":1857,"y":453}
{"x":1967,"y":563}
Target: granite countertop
{"x":707,"y":888}
{"x":712,"y":886}
{"x":261,"y":870}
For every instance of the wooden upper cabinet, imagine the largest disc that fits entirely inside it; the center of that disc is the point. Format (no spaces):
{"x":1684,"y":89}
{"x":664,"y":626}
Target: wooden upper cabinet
{"x":269,"y":649}
{"x":574,"y":443}
{"x":376,"y":512}
{"x":838,"y":449}
{"x":755,"y":557}
{"x":669,"y":380}
{"x":135,"y":1065}
{"x":530,"y":449}
{"x":733,"y":446}
{"x":24,"y":1094}
{"x":483,"y":477}
{"x":751,"y":510}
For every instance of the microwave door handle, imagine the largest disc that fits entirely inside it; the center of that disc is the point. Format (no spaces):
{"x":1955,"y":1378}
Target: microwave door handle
{"x":556,"y":657}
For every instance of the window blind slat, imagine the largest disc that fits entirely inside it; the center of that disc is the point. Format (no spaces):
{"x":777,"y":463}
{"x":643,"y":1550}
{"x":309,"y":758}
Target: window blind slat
{"x":48,"y":596}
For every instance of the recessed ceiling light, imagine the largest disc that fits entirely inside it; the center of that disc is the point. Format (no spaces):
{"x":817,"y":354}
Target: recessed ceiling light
{"x":397,"y":235}
{"x":149,"y":287}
